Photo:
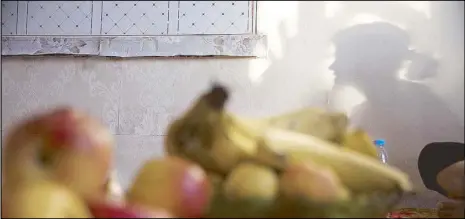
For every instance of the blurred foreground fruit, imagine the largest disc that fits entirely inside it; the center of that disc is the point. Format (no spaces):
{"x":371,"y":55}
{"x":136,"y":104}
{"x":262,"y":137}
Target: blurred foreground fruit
{"x":358,"y":140}
{"x":330,"y":126}
{"x":66,"y":145}
{"x":344,"y":182}
{"x":114,"y":210}
{"x":211,"y":133}
{"x":113,"y":190}
{"x":313,"y":182}
{"x":42,"y":199}
{"x":356,"y":171}
{"x":171,"y":183}
{"x":249,"y":180}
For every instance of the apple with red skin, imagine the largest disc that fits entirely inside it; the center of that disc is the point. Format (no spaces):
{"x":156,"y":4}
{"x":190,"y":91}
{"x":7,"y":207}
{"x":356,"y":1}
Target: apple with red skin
{"x":115,"y":210}
{"x":64,"y":145}
{"x":174,"y":184}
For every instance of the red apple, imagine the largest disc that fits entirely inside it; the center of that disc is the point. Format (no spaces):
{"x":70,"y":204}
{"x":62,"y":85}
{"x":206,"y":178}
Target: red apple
{"x":66,"y":145}
{"x":114,"y":210}
{"x":171,"y":183}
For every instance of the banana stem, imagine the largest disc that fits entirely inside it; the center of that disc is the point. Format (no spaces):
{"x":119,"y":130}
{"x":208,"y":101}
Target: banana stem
{"x":217,"y":97}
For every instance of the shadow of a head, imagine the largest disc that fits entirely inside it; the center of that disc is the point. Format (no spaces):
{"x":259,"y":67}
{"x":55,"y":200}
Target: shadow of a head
{"x":369,"y":58}
{"x":373,"y":53}
{"x":373,"y":50}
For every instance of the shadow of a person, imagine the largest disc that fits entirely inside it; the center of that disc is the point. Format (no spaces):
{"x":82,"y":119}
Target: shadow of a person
{"x":407,"y":114}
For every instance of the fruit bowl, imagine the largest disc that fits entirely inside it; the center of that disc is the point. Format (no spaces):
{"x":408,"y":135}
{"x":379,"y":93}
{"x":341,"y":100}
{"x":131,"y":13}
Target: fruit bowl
{"x":218,"y":165}
{"x":374,"y":205}
{"x":304,"y":164}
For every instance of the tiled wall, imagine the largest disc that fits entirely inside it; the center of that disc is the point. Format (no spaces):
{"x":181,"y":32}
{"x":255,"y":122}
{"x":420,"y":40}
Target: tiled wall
{"x":126,"y":17}
{"x":137,"y":97}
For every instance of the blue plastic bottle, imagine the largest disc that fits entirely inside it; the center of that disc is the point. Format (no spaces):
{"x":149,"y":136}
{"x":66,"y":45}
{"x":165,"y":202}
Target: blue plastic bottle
{"x":382,"y":154}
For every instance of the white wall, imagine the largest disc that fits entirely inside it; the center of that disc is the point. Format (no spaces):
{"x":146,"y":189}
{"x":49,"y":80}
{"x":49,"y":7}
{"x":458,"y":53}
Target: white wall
{"x":137,"y":97}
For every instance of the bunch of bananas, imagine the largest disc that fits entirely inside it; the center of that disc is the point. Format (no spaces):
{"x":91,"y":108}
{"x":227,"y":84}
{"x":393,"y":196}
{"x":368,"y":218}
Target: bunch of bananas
{"x":302,"y":164}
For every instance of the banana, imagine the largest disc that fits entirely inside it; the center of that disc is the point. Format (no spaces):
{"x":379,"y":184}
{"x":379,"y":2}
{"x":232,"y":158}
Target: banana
{"x":220,"y":141}
{"x":211,"y":137}
{"x":324,"y":125}
{"x":330,"y":126}
{"x":358,"y":172}
{"x":358,"y":140}
{"x":313,"y":121}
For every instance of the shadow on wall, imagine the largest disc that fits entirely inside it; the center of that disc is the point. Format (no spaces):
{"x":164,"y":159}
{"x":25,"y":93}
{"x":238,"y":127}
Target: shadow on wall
{"x":399,"y":108}
{"x":298,"y":45}
{"x":407,"y":114}
{"x":378,"y":61}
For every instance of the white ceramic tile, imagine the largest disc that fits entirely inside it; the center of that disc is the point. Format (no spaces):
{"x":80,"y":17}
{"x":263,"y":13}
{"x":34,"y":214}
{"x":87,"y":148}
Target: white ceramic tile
{"x":59,"y":17}
{"x":135,"y":18}
{"x":214,"y":17}
{"x":9,"y":17}
{"x":96,"y":17}
{"x":173,"y":17}
{"x":22,"y":18}
{"x":132,"y":151}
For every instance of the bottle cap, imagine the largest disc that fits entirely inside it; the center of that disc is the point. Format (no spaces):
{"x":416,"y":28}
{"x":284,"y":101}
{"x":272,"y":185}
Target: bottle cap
{"x":379,"y":142}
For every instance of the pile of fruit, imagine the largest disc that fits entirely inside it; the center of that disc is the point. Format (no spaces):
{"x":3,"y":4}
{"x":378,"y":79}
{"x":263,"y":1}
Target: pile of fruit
{"x":218,"y":165}
{"x":59,"y":165}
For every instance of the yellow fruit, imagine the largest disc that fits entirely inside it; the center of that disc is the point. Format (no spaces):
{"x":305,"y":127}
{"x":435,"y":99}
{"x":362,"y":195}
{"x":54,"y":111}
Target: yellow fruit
{"x":228,"y":140}
{"x":218,"y":140}
{"x":359,"y":141}
{"x":209,"y":136}
{"x":356,"y":171}
{"x":42,"y":199}
{"x":173,"y":184}
{"x":313,"y":182}
{"x":312,"y":121}
{"x":249,"y":180}
{"x":64,"y":144}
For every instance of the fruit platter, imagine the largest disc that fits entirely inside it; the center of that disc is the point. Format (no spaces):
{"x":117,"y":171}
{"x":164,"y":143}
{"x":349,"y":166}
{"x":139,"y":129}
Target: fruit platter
{"x":302,"y":164}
